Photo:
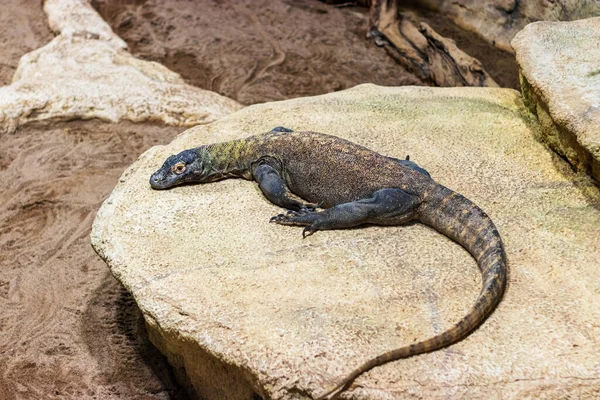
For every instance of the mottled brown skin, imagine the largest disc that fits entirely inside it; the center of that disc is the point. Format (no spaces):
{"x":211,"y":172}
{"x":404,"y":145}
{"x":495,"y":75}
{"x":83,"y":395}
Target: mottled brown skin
{"x":305,"y":170}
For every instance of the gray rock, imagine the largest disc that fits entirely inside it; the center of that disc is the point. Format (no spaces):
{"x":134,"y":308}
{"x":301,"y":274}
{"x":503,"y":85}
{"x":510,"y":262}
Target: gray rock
{"x":560,"y":76}
{"x":242,"y":306}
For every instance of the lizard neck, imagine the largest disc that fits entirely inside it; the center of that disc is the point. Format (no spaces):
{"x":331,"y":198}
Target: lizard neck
{"x":231,"y":159}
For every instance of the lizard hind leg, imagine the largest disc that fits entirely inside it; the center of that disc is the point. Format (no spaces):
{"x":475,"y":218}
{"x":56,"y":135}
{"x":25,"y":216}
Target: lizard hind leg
{"x":388,"y":206}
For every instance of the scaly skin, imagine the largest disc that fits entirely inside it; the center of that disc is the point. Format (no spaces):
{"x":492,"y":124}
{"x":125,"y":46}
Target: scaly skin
{"x":305,"y":170}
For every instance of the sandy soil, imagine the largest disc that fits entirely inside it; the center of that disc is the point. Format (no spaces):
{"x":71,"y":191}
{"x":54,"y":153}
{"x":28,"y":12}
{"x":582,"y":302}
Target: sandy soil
{"x":256,"y":50}
{"x":23,"y":28}
{"x":68,"y":330}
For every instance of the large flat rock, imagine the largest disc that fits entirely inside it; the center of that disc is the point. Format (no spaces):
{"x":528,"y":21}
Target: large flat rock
{"x":559,"y":64}
{"x":244,"y":307}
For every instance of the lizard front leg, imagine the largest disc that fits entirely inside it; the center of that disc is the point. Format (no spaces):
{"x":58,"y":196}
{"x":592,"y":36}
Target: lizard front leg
{"x":388,"y":206}
{"x":274,"y":188}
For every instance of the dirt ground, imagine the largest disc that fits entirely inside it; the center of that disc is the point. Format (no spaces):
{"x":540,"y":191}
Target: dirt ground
{"x":68,"y":329}
{"x":263,"y":50}
{"x":23,"y":28}
{"x":256,"y":50}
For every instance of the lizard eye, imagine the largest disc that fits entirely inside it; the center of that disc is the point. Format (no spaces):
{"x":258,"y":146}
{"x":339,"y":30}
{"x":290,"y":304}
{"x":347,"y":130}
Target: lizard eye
{"x":178,"y":168}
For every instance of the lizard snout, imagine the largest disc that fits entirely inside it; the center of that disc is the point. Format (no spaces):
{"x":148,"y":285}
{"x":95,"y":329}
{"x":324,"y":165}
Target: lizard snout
{"x":157,"y":181}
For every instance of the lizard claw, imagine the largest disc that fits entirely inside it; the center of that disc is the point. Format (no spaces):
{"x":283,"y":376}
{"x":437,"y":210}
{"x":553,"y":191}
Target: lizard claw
{"x":277,"y":218}
{"x":290,"y":219}
{"x":307,"y":231}
{"x":303,"y":217}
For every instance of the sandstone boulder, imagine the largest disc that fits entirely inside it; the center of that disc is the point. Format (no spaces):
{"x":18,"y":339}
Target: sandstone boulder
{"x":76,"y":17}
{"x":86,"y":72}
{"x":560,"y":79}
{"x":245,"y":308}
{"x":498,"y":21}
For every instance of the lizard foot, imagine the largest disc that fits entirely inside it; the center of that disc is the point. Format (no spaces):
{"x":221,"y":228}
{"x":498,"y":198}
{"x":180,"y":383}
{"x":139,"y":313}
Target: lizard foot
{"x":307,"y":217}
{"x":303,"y":217}
{"x":301,"y":211}
{"x":290,"y":219}
{"x":282,"y":129}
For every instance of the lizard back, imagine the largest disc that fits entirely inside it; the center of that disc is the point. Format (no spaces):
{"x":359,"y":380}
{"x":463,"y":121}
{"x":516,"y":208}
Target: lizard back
{"x":329,"y":170}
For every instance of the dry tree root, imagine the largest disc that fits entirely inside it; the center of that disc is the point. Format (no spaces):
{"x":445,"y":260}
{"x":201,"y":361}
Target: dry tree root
{"x":432,"y":57}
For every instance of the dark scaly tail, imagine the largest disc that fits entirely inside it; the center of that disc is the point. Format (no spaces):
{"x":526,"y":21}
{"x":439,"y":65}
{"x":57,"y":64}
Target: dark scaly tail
{"x":458,"y":218}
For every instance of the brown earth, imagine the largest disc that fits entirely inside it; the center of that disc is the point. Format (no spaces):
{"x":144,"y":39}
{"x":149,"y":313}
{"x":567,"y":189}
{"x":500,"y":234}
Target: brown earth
{"x":255,"y":51}
{"x":23,"y":28}
{"x":68,"y":329}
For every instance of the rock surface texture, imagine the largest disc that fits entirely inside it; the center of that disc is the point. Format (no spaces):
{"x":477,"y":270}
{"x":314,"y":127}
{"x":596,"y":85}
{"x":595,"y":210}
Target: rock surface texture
{"x":498,"y":21}
{"x":244,"y":307}
{"x":560,"y":79}
{"x":86,"y":72}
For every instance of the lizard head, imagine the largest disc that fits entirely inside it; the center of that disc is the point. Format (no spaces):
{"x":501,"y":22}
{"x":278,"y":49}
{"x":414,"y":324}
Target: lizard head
{"x":185,"y":167}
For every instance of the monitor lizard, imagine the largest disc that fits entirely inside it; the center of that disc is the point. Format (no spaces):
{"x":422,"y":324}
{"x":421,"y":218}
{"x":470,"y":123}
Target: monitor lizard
{"x":330,"y":183}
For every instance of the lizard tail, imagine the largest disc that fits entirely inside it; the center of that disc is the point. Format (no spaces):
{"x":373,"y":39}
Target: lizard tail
{"x":461,"y":220}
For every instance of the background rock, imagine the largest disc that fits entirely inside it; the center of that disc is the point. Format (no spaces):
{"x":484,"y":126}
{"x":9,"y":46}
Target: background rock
{"x":561,"y":84}
{"x":85,"y":73}
{"x":77,"y":17}
{"x":498,"y":21}
{"x":247,"y":307}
